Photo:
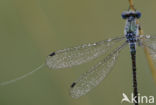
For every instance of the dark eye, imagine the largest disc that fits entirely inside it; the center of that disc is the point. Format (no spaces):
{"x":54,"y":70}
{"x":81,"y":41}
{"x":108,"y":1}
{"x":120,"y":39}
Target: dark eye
{"x":138,"y":14}
{"x":124,"y":15}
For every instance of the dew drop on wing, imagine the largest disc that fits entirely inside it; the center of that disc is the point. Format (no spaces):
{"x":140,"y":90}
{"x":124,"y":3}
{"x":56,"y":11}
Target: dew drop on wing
{"x":73,"y":84}
{"x":52,"y":54}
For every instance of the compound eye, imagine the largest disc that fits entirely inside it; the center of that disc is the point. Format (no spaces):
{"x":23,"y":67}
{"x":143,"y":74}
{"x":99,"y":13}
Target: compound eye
{"x":124,"y":15}
{"x":138,"y":14}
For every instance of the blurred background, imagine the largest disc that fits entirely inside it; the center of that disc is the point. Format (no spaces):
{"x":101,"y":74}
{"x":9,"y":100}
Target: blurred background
{"x":32,"y":29}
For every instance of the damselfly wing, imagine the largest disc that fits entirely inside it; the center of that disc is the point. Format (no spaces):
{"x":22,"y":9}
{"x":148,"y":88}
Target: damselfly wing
{"x":150,"y":43}
{"x":81,"y":54}
{"x":95,"y":75}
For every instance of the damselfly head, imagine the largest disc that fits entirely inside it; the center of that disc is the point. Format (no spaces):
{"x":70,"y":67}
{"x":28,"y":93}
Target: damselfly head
{"x":127,"y":14}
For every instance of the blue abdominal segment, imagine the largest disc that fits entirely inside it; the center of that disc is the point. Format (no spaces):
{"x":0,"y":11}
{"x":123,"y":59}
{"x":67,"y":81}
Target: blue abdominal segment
{"x":131,"y":38}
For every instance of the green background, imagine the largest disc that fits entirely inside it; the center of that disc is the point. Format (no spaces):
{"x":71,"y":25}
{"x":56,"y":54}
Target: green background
{"x":32,"y":29}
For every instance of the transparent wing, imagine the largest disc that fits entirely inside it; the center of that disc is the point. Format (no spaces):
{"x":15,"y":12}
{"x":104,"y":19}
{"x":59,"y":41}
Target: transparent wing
{"x":153,"y":55}
{"x":95,"y":75}
{"x":150,"y":42}
{"x":80,"y":54}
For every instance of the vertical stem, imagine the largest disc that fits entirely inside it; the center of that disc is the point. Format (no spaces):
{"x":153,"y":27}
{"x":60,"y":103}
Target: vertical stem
{"x":135,"y":89}
{"x":150,"y":62}
{"x":131,"y":5}
{"x":148,"y":57}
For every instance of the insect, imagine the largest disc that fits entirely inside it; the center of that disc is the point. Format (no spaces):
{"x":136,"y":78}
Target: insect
{"x":81,"y":54}
{"x":70,"y":57}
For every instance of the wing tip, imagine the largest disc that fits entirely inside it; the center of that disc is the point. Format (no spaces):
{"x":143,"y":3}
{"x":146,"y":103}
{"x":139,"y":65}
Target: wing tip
{"x":52,"y":54}
{"x":73,"y":85}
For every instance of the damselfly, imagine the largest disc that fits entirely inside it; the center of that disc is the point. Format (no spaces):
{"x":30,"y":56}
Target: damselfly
{"x":81,"y":54}
{"x":84,"y":53}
